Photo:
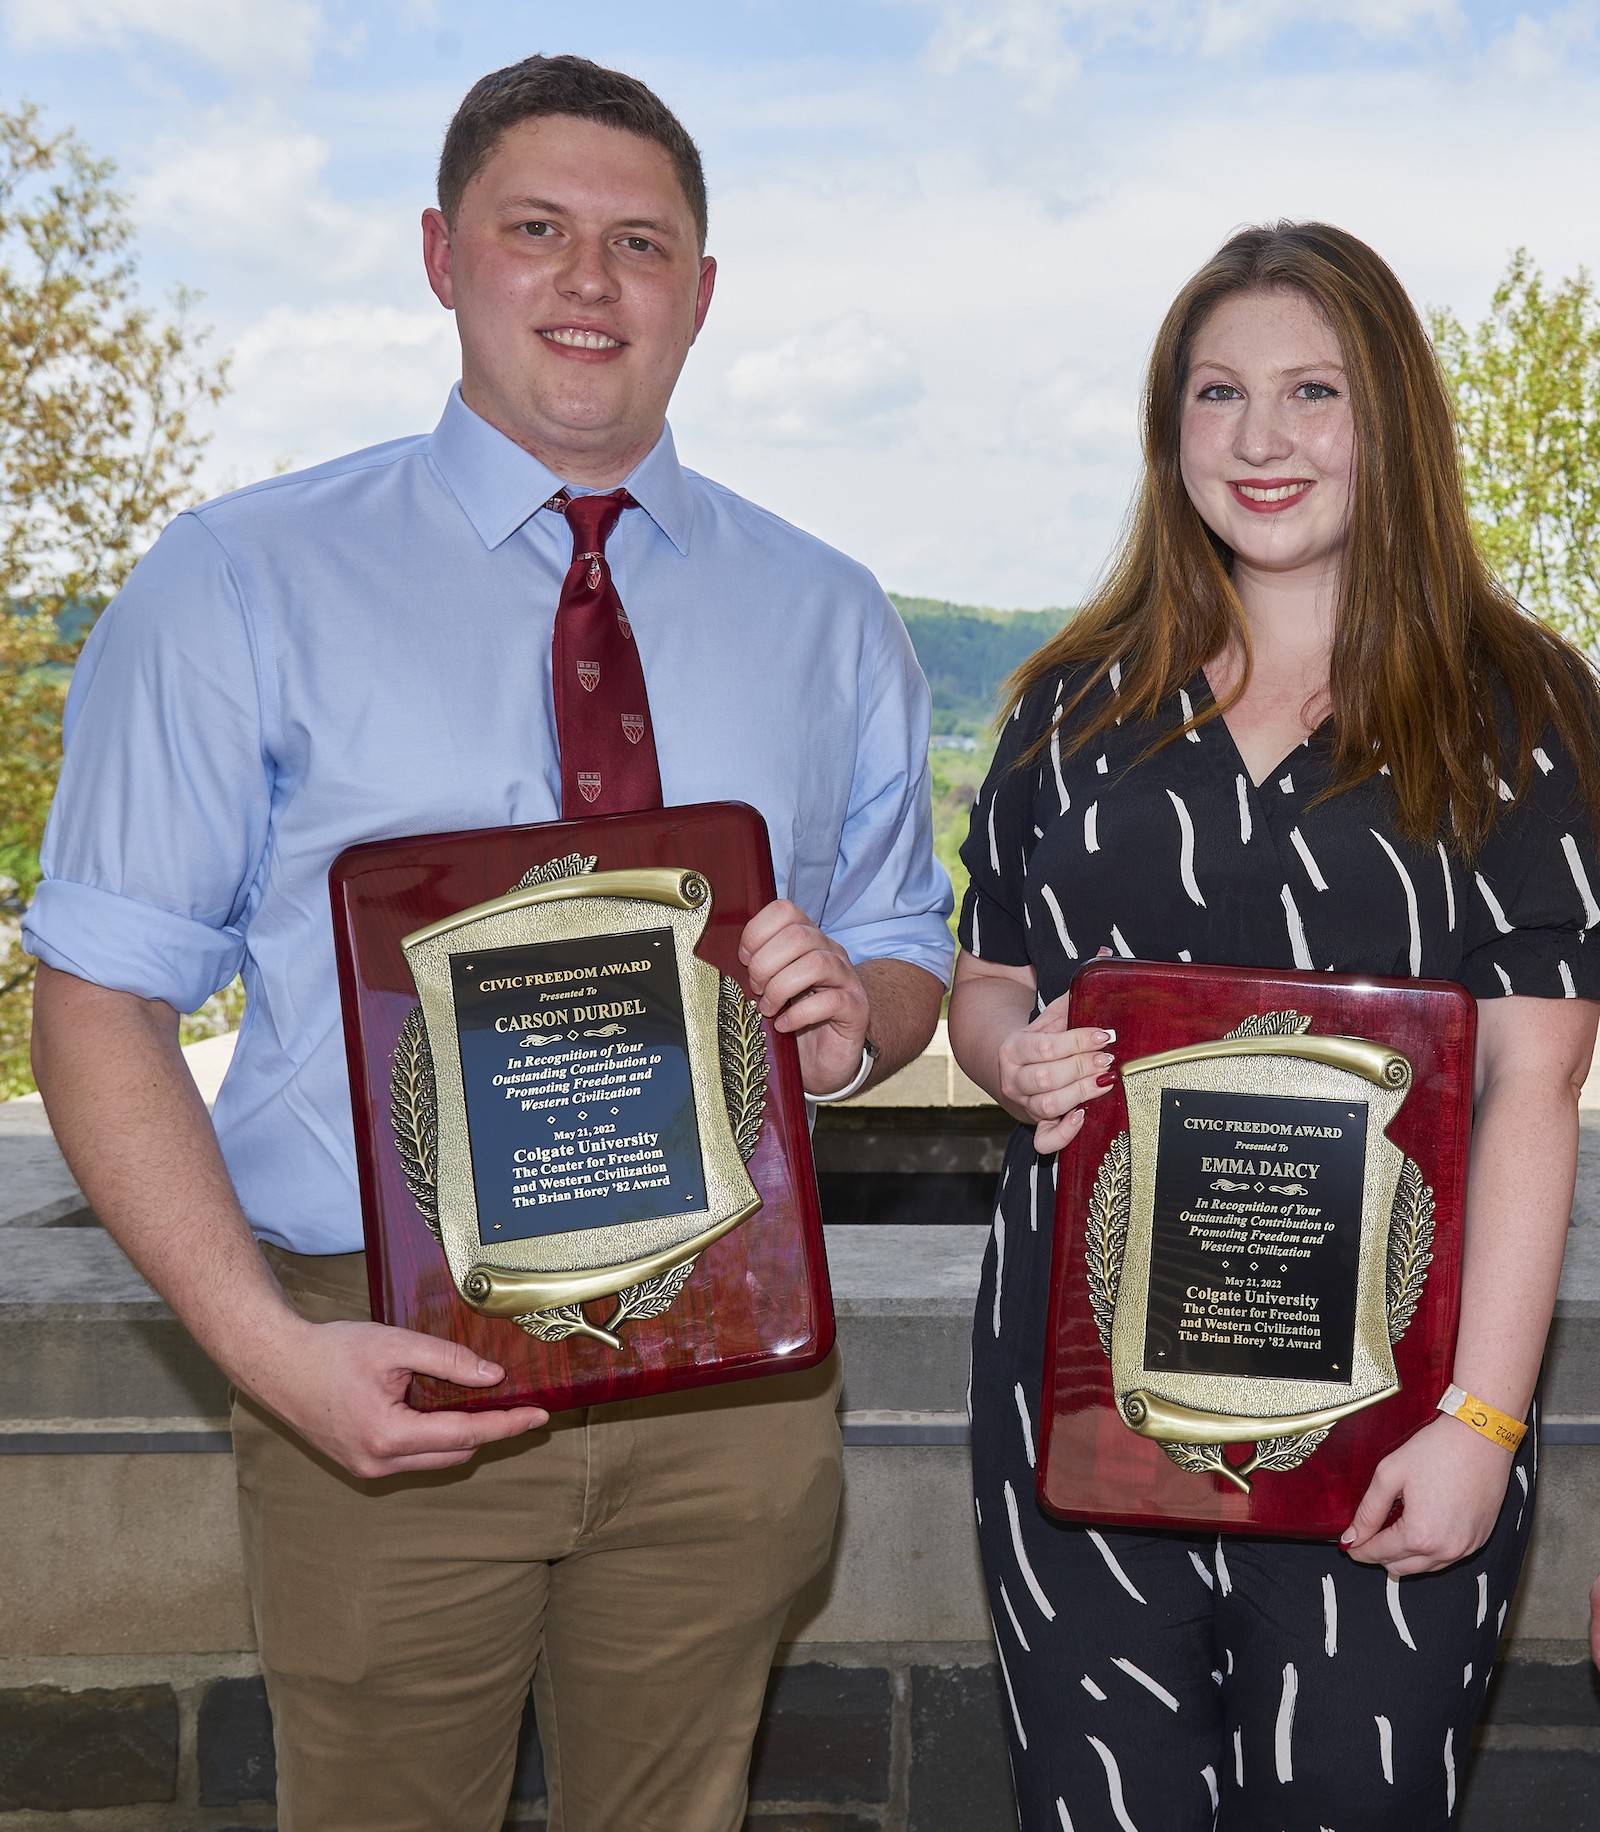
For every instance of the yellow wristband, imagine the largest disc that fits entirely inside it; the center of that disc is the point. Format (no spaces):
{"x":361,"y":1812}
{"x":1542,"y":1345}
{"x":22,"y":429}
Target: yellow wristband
{"x":1488,"y":1421}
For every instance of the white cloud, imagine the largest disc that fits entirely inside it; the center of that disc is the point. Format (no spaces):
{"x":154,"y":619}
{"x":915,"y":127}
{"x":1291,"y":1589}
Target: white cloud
{"x":1534,"y":50}
{"x":240,"y":36}
{"x":251,"y":186}
{"x":1043,"y":46}
{"x":310,"y":384}
{"x":831,"y":382}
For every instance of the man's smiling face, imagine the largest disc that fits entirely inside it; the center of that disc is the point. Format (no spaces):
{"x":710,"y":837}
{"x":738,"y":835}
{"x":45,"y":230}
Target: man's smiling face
{"x":575,"y":273}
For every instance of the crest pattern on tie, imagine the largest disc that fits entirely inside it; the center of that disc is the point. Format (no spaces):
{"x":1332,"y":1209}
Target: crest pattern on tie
{"x":608,"y":752}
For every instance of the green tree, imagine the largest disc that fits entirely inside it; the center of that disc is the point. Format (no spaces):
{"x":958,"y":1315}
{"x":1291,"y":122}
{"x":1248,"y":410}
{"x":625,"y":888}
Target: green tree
{"x":1527,"y":391}
{"x":98,"y":448}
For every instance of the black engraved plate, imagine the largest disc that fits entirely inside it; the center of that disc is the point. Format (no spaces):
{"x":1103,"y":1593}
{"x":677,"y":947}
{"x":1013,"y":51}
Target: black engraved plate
{"x":1256,"y":1236}
{"x":575,"y":1067}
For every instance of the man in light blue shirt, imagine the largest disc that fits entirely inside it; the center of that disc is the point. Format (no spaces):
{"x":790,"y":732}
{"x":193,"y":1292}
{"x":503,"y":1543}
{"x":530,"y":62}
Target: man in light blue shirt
{"x":363,"y":650}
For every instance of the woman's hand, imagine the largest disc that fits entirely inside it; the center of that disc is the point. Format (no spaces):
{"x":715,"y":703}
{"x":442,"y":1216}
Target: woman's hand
{"x":1048,"y":1072}
{"x":1449,"y":1482}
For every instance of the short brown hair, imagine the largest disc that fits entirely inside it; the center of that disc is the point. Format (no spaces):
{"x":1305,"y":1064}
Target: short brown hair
{"x":540,"y":86}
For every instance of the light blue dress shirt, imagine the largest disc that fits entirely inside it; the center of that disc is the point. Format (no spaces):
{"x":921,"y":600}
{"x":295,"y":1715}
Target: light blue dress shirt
{"x":362,"y":650}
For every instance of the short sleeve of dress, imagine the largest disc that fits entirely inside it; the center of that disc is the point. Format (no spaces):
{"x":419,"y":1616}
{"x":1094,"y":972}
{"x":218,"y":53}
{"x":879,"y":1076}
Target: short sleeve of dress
{"x":1001,"y":836}
{"x":1531,"y":914}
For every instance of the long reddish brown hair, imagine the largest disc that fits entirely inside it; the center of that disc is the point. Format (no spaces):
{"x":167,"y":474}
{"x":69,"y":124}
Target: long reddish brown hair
{"x":1429,"y":650}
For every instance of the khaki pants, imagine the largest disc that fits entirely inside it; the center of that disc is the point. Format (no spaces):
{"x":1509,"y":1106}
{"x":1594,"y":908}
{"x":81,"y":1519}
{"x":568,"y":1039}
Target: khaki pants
{"x":634,"y":1562}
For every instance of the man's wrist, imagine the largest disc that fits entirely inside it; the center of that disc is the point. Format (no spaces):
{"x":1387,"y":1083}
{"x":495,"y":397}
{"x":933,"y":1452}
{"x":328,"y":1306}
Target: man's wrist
{"x":869,"y":1059}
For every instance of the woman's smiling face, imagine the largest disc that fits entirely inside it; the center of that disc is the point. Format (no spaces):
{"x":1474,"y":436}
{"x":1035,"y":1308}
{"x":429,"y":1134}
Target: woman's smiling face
{"x":1266,"y":440}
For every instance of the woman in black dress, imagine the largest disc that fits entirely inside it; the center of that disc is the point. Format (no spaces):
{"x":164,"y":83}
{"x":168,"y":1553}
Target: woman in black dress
{"x":1299,"y":726}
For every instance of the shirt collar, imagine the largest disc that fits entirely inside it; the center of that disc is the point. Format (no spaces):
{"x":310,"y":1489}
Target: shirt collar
{"x":499,"y":485}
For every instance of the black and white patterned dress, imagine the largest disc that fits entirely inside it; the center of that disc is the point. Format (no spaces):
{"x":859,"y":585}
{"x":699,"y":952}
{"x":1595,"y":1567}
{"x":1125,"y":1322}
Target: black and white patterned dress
{"x":1170,"y":1682}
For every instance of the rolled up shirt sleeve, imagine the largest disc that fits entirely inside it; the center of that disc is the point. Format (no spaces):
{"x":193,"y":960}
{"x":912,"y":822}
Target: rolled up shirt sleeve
{"x":161,"y":814}
{"x":890,"y":898}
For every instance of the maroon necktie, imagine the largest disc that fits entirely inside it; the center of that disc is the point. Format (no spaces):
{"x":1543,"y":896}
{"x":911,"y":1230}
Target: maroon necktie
{"x":608,"y":746}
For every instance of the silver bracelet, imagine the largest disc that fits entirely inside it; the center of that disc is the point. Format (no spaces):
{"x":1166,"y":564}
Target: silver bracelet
{"x":869,"y":1055}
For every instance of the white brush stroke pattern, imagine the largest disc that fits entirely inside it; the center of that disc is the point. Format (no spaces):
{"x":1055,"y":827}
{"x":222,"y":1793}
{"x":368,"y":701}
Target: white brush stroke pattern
{"x":1245,"y":824}
{"x":1286,"y":783}
{"x":1200,"y":1566}
{"x":1046,"y":1607}
{"x":1450,"y":1770}
{"x":1238,"y":1758}
{"x":1015,"y":1624}
{"x":1297,"y":934}
{"x":1101,"y":767}
{"x":1005,"y":1674}
{"x":977,"y":939}
{"x":1392,"y":1595}
{"x":1330,"y":1616}
{"x":999,"y":1262}
{"x":1056,"y":917}
{"x":1483,"y":1598}
{"x":1542,"y":760}
{"x":1495,"y":911}
{"x":1284,"y":1730}
{"x":1386,"y":1748}
{"x":1313,"y":870}
{"x":1063,"y":1815}
{"x":1591,"y":909}
{"x":1027,"y":1423}
{"x":1092,"y":1689}
{"x":1055,"y":763}
{"x":1114,"y":674}
{"x":1505,"y":978}
{"x":1115,"y":1569}
{"x":1186,"y":849}
{"x":1114,"y":1785}
{"x":1466,"y":1676}
{"x":1153,"y":1686}
{"x":1568,"y":989}
{"x":1226,"y":1584}
{"x":1188,"y":713}
{"x":1120,"y":944}
{"x":1209,"y":1776}
{"x":994,"y":844}
{"x":1449,"y":890}
{"x":1411,"y":901}
{"x":1091,"y":836}
{"x":1033,"y":1204}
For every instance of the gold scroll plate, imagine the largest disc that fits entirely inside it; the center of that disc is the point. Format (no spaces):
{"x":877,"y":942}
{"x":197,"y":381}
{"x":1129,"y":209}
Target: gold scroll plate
{"x":543,"y":1283}
{"x":1193,"y":1415}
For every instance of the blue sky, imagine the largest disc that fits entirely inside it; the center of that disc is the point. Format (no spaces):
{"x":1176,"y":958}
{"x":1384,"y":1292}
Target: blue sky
{"x":947,"y":228}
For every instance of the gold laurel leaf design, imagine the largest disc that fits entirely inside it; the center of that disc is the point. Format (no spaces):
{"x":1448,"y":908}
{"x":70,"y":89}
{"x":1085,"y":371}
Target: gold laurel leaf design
{"x":638,"y":1303}
{"x":1410,"y":1248}
{"x":1285,"y":1453}
{"x":561,"y":1321}
{"x":1107,"y":1233}
{"x":1206,"y":1460}
{"x":743,"y":1049}
{"x":414,"y":1116}
{"x":1273,"y":1024}
{"x":569,"y":865}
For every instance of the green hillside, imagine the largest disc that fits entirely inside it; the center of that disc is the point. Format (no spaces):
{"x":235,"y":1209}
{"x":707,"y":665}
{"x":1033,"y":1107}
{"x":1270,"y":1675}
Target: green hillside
{"x":966,"y":652}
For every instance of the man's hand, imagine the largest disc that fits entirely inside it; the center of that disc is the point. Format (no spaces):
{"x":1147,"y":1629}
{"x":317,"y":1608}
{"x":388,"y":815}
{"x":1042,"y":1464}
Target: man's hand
{"x":342,"y":1386}
{"x":807,"y":986}
{"x":1450,"y":1483}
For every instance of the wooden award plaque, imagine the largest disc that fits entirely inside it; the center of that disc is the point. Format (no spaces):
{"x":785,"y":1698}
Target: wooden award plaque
{"x":582,"y":1151}
{"x":1256,"y":1273}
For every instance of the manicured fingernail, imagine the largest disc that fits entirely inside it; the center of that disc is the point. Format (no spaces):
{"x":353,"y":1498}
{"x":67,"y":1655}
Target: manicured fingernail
{"x":1108,"y":1036}
{"x":1108,"y":1080}
{"x":1347,"y":1538}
